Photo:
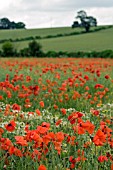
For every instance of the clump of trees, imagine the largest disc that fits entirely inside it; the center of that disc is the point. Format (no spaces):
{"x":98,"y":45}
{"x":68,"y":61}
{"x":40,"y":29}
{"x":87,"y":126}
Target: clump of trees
{"x":34,"y":49}
{"x":85,"y":21}
{"x":5,"y":23}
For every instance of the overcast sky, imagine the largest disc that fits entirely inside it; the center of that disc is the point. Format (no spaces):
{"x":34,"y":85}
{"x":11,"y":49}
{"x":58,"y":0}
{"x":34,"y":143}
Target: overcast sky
{"x":55,"y":13}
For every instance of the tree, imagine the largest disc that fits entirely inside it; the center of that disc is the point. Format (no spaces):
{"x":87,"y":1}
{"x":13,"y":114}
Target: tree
{"x":81,"y":14}
{"x":35,"y":49}
{"x":93,"y":21}
{"x":12,"y":25}
{"x":75,"y":24}
{"x":25,"y":52}
{"x":5,"y":23}
{"x":8,"y":49}
{"x":20,"y":25}
{"x":86,"y":21}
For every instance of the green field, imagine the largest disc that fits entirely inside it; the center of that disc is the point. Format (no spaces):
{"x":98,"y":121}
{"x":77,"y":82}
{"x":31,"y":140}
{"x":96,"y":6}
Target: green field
{"x":95,"y":41}
{"x":98,"y":41}
{"x":23,"y":33}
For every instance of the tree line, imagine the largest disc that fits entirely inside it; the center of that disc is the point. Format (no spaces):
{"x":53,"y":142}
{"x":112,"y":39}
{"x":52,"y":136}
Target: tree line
{"x":85,"y":21}
{"x":5,"y":23}
{"x":34,"y":49}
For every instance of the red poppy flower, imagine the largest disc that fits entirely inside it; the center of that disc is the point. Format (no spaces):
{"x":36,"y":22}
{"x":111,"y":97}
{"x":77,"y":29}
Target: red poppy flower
{"x":99,"y":138}
{"x":1,"y":131}
{"x":42,"y":167}
{"x":38,"y":112}
{"x":112,"y":166}
{"x":98,"y":86}
{"x":16,"y":107}
{"x":94,"y":112}
{"x":106,"y":76}
{"x":58,"y":122}
{"x":55,"y":106}
{"x":45,"y":124}
{"x":88,"y":126}
{"x":59,"y":136}
{"x":41,"y":104}
{"x":63,"y":111}
{"x":5,"y":143}
{"x":86,"y":77}
{"x":18,"y":152}
{"x":21,"y":141}
{"x":42,"y":130}
{"x":1,"y":97}
{"x":10,"y":126}
{"x":75,"y":115}
{"x":102,"y":158}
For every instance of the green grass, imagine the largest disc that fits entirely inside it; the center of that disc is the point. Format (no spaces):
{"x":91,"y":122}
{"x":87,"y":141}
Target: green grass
{"x":98,"y":41}
{"x":23,"y":33}
{"x":95,"y":41}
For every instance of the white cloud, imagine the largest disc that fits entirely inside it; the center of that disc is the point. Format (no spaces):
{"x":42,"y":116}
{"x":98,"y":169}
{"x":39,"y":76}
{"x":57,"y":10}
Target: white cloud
{"x":47,"y":13}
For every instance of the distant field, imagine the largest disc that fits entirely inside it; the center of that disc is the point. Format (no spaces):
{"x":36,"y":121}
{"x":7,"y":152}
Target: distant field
{"x":96,"y":41}
{"x":23,"y":33}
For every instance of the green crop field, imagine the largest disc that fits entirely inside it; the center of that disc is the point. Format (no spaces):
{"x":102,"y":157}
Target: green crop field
{"x":94,"y":41}
{"x":97,"y":41}
{"x":23,"y":33}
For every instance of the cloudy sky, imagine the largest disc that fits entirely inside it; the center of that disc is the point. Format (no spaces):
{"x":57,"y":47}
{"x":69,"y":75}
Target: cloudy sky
{"x":55,"y":13}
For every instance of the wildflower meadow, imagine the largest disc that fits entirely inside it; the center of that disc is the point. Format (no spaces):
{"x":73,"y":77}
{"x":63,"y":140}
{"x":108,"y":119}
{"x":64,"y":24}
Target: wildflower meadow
{"x":56,"y":114}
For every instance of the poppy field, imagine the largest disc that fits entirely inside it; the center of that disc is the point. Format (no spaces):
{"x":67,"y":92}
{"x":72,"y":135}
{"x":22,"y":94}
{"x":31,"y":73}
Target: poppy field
{"x":56,"y":114}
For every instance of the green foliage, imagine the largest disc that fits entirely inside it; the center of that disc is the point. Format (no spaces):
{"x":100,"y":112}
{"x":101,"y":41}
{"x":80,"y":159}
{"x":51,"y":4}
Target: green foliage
{"x":98,"y":41}
{"x":51,"y":54}
{"x":5,"y":23}
{"x":8,"y":49}
{"x":35,"y":49}
{"x":86,"y":21}
{"x":24,"y":52}
{"x":36,"y":33}
{"x":80,"y":54}
{"x":75,"y":32}
{"x":19,"y":25}
{"x":93,"y":41}
{"x":67,"y":44}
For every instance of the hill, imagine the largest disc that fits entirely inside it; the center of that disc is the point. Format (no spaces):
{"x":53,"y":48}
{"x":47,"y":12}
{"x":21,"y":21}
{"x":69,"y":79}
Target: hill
{"x":94,"y":41}
{"x":24,"y":33}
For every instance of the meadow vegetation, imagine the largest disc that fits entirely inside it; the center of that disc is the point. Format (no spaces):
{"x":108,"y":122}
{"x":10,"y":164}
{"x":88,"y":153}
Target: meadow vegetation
{"x":61,"y":39}
{"x":56,"y":114}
